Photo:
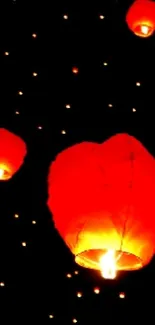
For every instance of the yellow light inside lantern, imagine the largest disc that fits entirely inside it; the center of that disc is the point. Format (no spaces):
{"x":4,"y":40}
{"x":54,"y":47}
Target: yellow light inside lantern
{"x":108,"y":265}
{"x":5,"y":172}
{"x":145,"y":29}
{"x":1,"y":173}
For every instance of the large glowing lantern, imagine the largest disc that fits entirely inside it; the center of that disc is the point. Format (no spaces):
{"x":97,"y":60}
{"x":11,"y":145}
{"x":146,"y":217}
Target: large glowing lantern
{"x":12,"y":153}
{"x":141,"y":18}
{"x":102,"y":200}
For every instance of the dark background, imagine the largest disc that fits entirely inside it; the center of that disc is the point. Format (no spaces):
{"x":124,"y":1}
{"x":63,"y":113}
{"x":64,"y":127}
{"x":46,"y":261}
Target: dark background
{"x":34,"y":277}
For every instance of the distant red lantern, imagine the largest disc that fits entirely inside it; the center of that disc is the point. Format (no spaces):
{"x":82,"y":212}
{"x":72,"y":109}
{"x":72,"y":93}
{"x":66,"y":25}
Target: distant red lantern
{"x":141,"y":18}
{"x":75,"y":70}
{"x":102,"y":200}
{"x":12,"y":153}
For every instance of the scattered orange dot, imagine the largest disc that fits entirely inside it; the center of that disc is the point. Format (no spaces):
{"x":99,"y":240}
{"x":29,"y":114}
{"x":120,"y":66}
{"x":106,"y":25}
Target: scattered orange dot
{"x":2,"y":284}
{"x":76,"y":272}
{"x":101,"y":17}
{"x":122,"y":295}
{"x":34,"y":35}
{"x":69,"y":275}
{"x":96,"y":290}
{"x":75,"y":70}
{"x":65,"y":17}
{"x":51,"y":316}
{"x":16,"y":216}
{"x":24,"y":244}
{"x":68,"y":106}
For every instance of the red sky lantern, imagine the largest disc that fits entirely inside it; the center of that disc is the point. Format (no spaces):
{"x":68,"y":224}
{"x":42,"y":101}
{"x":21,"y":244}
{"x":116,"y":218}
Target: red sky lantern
{"x":141,"y":18}
{"x":12,"y":153}
{"x":75,"y":70}
{"x":102,"y":200}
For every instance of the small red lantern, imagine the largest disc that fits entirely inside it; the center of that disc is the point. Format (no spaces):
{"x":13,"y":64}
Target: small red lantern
{"x":12,"y":153}
{"x":102,"y":200}
{"x":75,"y":70}
{"x":141,"y":18}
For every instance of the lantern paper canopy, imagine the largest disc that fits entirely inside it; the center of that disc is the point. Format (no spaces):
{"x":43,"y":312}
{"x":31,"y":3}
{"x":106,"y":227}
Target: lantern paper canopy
{"x":102,"y":200}
{"x":141,"y":18}
{"x":12,"y":153}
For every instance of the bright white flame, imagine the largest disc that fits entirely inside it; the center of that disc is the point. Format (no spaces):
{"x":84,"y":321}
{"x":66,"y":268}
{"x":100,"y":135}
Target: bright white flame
{"x":144,"y":29}
{"x":1,"y":173}
{"x":108,"y":265}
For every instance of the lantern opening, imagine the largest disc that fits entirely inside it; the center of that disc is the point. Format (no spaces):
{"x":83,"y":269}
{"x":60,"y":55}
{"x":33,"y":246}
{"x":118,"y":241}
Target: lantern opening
{"x":4,"y":173}
{"x":144,"y":29}
{"x":108,"y":261}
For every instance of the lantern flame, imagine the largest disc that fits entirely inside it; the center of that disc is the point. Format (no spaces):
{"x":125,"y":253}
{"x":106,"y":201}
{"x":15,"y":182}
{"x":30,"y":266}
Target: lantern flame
{"x":145,"y":29}
{"x":108,"y":265}
{"x":1,"y":173}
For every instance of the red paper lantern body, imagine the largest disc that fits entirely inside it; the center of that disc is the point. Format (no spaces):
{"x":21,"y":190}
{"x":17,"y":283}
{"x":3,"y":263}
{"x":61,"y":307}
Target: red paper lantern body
{"x":102,"y":198}
{"x":12,"y":153}
{"x":141,"y":18}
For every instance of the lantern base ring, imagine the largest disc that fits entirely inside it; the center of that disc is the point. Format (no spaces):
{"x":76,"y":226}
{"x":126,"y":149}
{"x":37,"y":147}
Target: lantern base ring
{"x":125,"y":261}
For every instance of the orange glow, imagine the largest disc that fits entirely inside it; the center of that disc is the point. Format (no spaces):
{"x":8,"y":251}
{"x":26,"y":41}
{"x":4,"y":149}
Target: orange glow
{"x":145,"y":29}
{"x":141,"y":18}
{"x":102,"y":200}
{"x":65,"y":17}
{"x":16,"y":216}
{"x":51,"y":316}
{"x":2,"y":284}
{"x":122,"y":295}
{"x":34,"y":35}
{"x":12,"y":153}
{"x":1,"y":173}
{"x":96,"y":290}
{"x":108,"y":265}
{"x":69,"y":275}
{"x":75,"y":70}
{"x":76,"y":272}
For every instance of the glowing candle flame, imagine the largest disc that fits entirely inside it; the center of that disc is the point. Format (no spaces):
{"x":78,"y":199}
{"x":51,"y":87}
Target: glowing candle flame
{"x":145,"y":29}
{"x":108,"y":265}
{"x":1,"y":173}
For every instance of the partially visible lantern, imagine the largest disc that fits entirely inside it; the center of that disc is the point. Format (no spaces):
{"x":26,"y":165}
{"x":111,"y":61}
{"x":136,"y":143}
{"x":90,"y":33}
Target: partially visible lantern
{"x":102,"y":200}
{"x":12,"y":153}
{"x":141,"y":18}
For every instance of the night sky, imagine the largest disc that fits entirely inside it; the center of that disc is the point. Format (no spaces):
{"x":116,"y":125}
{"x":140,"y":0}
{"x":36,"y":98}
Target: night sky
{"x":52,"y":108}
